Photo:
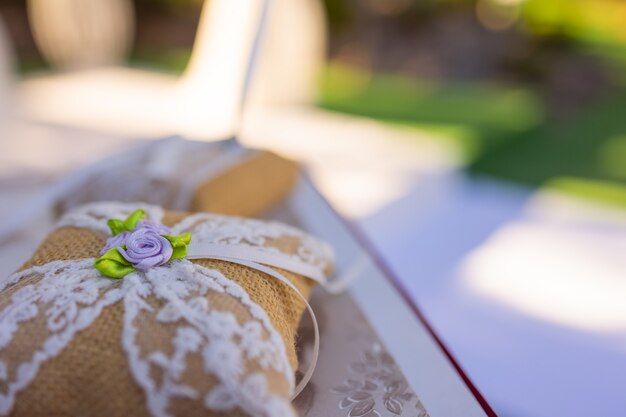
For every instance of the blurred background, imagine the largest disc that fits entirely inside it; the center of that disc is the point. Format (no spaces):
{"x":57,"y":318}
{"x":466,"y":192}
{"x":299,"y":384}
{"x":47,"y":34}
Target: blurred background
{"x":481,"y":144}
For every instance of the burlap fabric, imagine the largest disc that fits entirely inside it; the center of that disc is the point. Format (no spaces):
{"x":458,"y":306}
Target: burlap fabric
{"x":91,"y":376}
{"x":248,"y":188}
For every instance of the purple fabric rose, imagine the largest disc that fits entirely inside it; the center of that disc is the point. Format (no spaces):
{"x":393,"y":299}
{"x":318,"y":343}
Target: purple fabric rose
{"x":115,"y":241}
{"x":156,"y":227}
{"x":146,"y":249}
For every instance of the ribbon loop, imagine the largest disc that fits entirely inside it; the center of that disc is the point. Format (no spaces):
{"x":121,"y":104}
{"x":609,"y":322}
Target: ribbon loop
{"x":316,"y":341}
{"x":258,"y":259}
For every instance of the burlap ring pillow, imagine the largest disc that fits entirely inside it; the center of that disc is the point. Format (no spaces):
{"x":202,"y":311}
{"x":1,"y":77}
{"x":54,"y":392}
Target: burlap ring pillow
{"x":185,"y":175}
{"x":191,"y":337}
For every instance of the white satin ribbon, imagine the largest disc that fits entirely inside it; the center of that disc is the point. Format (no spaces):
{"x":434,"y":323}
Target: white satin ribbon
{"x":201,"y":250}
{"x":258,"y":259}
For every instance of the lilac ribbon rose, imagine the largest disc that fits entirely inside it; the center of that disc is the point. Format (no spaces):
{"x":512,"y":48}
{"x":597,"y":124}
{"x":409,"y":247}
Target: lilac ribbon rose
{"x":146,"y":248}
{"x":115,"y":241}
{"x":154,"y":226}
{"x":139,"y":244}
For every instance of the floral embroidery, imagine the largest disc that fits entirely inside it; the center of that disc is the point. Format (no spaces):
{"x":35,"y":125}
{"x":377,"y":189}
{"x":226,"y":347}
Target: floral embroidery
{"x":375,"y":383}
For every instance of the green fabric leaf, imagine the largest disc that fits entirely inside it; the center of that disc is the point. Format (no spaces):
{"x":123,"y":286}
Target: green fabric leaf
{"x":131,"y":221}
{"x":116,"y":226}
{"x":179,"y":245}
{"x":112,"y":264}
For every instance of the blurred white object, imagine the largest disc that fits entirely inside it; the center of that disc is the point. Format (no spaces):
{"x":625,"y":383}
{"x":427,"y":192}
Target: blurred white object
{"x":82,"y":33}
{"x":205,"y":103}
{"x":292,"y":53}
{"x":360,"y":165}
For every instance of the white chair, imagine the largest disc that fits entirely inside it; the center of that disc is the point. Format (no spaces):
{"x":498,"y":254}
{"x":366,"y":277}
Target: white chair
{"x":204,"y":103}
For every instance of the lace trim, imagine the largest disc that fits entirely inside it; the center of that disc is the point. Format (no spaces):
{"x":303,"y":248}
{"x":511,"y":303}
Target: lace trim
{"x":72,"y":303}
{"x":94,"y":216}
{"x":260,"y":235}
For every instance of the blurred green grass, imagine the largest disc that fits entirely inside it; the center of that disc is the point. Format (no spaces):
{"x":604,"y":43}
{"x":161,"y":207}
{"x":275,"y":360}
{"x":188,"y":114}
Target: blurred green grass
{"x":502,"y":130}
{"x":472,"y":116}
{"x":169,"y":60}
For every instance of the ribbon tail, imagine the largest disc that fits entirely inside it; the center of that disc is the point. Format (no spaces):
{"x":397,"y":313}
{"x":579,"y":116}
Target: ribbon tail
{"x":316,"y":342}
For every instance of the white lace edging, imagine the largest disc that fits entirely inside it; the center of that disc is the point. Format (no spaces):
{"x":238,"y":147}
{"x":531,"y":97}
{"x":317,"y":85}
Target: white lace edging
{"x":94,"y":216}
{"x":71,"y":289}
{"x":256,"y":234}
{"x":213,"y":229}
